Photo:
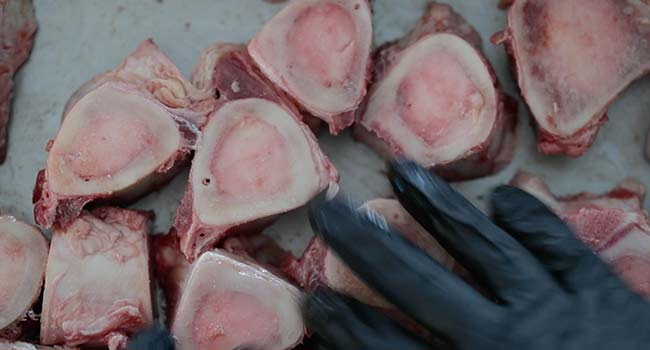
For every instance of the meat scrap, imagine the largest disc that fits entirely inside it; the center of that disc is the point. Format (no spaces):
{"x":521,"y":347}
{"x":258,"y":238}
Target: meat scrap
{"x":229,"y":302}
{"x":572,"y":58}
{"x":123,"y":133}
{"x":255,"y":158}
{"x":318,"y":51}
{"x":319,"y":266}
{"x":505,"y":4}
{"x":17,"y":29}
{"x":23,"y":256}
{"x":171,"y":269}
{"x":18,"y":345}
{"x":227,"y":71}
{"x":435,"y":99}
{"x":97,"y":283}
{"x":614,"y":225}
{"x":260,"y":248}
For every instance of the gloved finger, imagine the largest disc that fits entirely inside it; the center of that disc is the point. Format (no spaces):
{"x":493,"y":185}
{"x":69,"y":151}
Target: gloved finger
{"x":316,"y":342}
{"x":344,"y":323}
{"x":155,"y":337}
{"x":495,"y":258}
{"x":549,"y":238}
{"x":409,"y":278}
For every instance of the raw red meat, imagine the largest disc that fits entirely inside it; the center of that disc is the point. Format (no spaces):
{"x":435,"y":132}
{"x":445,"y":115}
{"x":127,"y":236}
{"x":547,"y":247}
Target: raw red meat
{"x":436,"y":100}
{"x":614,"y":225}
{"x":17,"y":28}
{"x":124,"y":132}
{"x":259,"y":248}
{"x":572,"y":58}
{"x":227,"y":71}
{"x":23,"y":256}
{"x":504,"y":4}
{"x":97,"y":283}
{"x":255,"y":158}
{"x":238,"y":77}
{"x":229,"y":302}
{"x":318,"y":51}
{"x":171,"y":269}
{"x":320,"y":266}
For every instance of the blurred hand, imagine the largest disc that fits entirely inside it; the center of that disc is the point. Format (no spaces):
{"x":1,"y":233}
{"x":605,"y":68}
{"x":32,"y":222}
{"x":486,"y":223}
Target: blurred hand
{"x":550,"y":292}
{"x":155,"y":337}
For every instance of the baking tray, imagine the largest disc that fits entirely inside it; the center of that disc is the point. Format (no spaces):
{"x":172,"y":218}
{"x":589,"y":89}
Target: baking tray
{"x":80,"y":38}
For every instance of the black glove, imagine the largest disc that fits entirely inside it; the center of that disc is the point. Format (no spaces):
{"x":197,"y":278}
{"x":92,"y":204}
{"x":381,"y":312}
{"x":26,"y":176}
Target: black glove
{"x":155,"y":337}
{"x":158,"y":337}
{"x":550,"y":292}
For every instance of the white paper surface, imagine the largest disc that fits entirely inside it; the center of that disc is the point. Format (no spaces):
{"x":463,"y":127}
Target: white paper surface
{"x":80,"y":38}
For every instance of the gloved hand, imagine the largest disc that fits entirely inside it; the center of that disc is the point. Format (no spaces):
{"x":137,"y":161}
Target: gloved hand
{"x":550,"y":292}
{"x":155,"y":337}
{"x":158,"y":337}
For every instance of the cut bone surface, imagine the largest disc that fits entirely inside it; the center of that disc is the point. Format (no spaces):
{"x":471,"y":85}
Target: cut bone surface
{"x":572,"y":58}
{"x":436,"y":100}
{"x":97,"y":285}
{"x":23,"y":256}
{"x":255,"y":158}
{"x":318,"y":51}
{"x":172,"y":268}
{"x":17,"y":28}
{"x":123,"y":133}
{"x":319,"y":266}
{"x":229,"y":302}
{"x":614,"y":225}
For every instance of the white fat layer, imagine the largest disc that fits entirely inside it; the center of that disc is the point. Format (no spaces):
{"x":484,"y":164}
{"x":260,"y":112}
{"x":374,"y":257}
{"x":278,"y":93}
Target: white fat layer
{"x":383,"y":103}
{"x":269,"y":50}
{"x":217,"y":271}
{"x":208,"y":204}
{"x":536,"y":186}
{"x":112,"y":271}
{"x":109,"y":99}
{"x":635,"y":243}
{"x":587,"y":77}
{"x":24,"y":288}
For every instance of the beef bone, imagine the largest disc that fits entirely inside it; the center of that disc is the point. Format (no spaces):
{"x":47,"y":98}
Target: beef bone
{"x":97,"y":283}
{"x":229,"y":302}
{"x":123,"y":133}
{"x":319,"y":266}
{"x":23,"y":256}
{"x":614,"y":225}
{"x":318,"y":51}
{"x":572,"y":58}
{"x":17,"y":28}
{"x":435,"y":99}
{"x":172,"y":268}
{"x":255,"y":158}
